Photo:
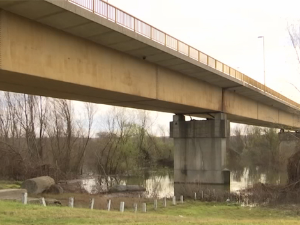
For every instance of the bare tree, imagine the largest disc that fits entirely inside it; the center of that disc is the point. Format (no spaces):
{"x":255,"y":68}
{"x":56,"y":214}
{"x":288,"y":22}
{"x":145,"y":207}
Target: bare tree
{"x":23,"y":121}
{"x":69,"y":138}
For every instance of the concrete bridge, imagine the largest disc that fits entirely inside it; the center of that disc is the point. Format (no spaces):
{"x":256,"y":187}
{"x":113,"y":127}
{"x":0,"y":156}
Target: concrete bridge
{"x":91,"y":51}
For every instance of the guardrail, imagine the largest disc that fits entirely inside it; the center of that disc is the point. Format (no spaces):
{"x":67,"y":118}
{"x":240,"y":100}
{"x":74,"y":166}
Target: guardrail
{"x":128,"y":21}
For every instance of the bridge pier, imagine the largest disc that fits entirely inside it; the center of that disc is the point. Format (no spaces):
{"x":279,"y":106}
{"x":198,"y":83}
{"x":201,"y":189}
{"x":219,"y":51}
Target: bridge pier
{"x":289,"y":142}
{"x":200,"y":153}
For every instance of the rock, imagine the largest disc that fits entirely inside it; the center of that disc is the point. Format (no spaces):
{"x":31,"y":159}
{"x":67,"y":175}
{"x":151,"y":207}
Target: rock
{"x":38,"y":185}
{"x":12,"y":194}
{"x":72,"y":186}
{"x":55,"y":189}
{"x":129,"y":188}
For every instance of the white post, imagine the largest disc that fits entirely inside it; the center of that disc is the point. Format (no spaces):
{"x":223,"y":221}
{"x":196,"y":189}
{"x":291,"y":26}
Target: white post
{"x":181,"y":199}
{"x":24,"y":198}
{"x":135,"y":206}
{"x":122,"y":205}
{"x":165,"y":202}
{"x":155,"y":204}
{"x":92,"y":203}
{"x":195,"y":196}
{"x":42,"y":201}
{"x":108,"y":204}
{"x":71,"y":202}
{"x":174,"y":200}
{"x":144,"y":207}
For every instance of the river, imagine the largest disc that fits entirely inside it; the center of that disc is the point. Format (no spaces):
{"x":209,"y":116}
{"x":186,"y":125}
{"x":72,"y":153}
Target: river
{"x":161,"y":184}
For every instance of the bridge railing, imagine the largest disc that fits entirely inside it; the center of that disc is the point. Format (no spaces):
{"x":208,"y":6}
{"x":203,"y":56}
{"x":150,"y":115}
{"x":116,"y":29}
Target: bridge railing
{"x":130,"y":22}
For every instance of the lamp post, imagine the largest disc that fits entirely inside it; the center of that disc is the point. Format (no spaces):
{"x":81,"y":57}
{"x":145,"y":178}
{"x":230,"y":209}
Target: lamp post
{"x":263,"y":38}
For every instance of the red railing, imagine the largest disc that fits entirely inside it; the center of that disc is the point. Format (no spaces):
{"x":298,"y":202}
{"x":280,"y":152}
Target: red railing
{"x":124,"y":19}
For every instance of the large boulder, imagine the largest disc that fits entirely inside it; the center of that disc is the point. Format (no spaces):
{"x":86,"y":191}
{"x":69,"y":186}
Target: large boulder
{"x":38,"y":185}
{"x":12,"y":194}
{"x":72,"y":186}
{"x":126,"y":188}
{"x":55,"y":189}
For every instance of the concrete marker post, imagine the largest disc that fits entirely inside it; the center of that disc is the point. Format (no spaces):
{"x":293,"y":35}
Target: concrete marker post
{"x":144,"y":207}
{"x":214,"y":194}
{"x":155,"y":204}
{"x":92,"y":202}
{"x":24,"y":198}
{"x":71,"y":202}
{"x":195,"y":196}
{"x":202,"y":195}
{"x":122,"y":206}
{"x":135,"y":207}
{"x":108,"y":204}
{"x":43,"y":202}
{"x":181,"y":199}
{"x":174,"y":200}
{"x":165,"y":202}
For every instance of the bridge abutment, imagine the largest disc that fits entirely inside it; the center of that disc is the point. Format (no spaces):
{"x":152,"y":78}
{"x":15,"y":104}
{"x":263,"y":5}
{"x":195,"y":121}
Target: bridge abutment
{"x":200,"y":151}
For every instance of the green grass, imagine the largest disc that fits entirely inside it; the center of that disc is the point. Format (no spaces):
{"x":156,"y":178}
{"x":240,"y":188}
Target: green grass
{"x":187,"y":213}
{"x":10,"y":184}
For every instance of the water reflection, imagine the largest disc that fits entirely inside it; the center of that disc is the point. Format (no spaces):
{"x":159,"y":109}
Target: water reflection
{"x":161,"y":184}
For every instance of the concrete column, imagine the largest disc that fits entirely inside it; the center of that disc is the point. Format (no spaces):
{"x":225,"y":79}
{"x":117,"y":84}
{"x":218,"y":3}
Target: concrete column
{"x":289,"y":144}
{"x":200,"y":149}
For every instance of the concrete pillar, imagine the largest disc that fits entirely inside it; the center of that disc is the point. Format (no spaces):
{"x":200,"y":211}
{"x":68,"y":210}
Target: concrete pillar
{"x":289,"y":144}
{"x":200,"y":150}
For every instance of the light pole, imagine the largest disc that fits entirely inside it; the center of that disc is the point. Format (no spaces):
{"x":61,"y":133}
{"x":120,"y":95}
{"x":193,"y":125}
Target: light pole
{"x":263,"y":38}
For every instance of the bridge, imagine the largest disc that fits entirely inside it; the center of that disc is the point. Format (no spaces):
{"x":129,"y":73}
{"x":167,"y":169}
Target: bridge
{"x":89,"y":50}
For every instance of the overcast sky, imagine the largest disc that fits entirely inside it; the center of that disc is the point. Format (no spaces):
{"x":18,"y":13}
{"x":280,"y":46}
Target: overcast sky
{"x":228,"y":31}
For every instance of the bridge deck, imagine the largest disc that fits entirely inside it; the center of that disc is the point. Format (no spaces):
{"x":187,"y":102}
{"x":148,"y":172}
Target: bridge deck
{"x":109,"y":26}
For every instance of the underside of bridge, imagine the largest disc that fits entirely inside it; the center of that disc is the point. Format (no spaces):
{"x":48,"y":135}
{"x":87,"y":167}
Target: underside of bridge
{"x":38,"y":59}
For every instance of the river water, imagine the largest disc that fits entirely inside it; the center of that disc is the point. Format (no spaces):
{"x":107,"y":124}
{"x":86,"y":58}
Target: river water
{"x":161,"y":184}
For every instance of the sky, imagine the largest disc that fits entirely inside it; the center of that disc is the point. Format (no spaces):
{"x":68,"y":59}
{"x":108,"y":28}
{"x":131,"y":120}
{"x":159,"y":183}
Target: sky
{"x":228,"y":31}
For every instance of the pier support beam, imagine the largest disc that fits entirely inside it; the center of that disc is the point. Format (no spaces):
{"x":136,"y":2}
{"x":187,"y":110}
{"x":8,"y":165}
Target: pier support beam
{"x":200,"y":150}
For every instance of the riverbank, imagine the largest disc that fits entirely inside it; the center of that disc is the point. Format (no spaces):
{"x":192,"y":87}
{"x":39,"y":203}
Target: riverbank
{"x":12,"y":213}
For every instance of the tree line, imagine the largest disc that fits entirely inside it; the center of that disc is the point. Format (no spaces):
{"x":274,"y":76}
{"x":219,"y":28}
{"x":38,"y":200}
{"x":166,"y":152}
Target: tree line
{"x":45,"y":136}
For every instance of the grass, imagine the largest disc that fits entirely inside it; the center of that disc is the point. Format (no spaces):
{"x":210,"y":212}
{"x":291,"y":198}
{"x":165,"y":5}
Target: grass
{"x":4,"y":184}
{"x":188,"y":213}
